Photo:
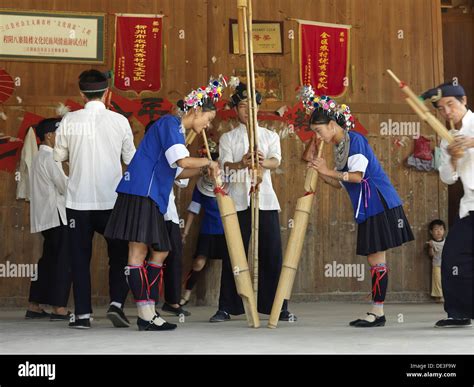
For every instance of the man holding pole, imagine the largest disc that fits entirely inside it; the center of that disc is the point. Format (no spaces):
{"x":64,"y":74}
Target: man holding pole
{"x":235,"y":158}
{"x":457,"y":161}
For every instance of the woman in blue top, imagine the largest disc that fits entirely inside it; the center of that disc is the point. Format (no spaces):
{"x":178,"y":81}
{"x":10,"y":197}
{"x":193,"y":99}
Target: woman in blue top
{"x":143,"y":195}
{"x":378,"y":210}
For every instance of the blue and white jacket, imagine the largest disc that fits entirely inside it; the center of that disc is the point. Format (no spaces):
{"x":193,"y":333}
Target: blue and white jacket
{"x":364,"y":197}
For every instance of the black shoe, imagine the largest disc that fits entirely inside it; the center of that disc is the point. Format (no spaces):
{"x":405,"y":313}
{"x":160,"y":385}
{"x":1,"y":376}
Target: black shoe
{"x":144,"y":325}
{"x":287,"y":316}
{"x":117,"y":316}
{"x":30,"y":315}
{"x":378,"y":322}
{"x":220,"y":316}
{"x":80,"y":323}
{"x":60,"y":317}
{"x":454,"y":323}
{"x":175,"y":311}
{"x":353,"y":323}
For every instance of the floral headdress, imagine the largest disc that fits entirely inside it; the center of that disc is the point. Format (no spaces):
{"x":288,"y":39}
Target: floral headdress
{"x":341,"y":113}
{"x":212,"y":91}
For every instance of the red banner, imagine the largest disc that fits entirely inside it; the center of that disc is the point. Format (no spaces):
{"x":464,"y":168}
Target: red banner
{"x":138,"y":53}
{"x":324,"y":58}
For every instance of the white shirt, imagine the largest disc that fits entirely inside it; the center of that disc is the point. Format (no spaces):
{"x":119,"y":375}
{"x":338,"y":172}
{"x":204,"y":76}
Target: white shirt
{"x":464,"y":169}
{"x":172,"y":211}
{"x":48,"y":187}
{"x":233,"y":145}
{"x":94,"y":140}
{"x":437,"y":251}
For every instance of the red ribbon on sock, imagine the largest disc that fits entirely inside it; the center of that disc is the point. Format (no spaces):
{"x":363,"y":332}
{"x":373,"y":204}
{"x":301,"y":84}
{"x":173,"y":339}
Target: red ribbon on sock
{"x":376,"y":270}
{"x":161,"y":291}
{"x":157,"y":277}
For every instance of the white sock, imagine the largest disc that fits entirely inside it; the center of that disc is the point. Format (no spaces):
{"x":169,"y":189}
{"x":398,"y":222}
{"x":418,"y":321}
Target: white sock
{"x":82,"y":316}
{"x":158,"y":321}
{"x":117,"y":304}
{"x":377,"y":309}
{"x":186,"y":297}
{"x":146,"y":310}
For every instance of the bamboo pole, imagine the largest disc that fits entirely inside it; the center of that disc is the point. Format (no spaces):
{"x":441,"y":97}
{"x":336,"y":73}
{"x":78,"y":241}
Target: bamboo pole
{"x":294,"y":247}
{"x":422,"y":110}
{"x":255,"y":163}
{"x":245,"y":9}
{"x":190,"y":137}
{"x":240,"y":25}
{"x":235,"y":246}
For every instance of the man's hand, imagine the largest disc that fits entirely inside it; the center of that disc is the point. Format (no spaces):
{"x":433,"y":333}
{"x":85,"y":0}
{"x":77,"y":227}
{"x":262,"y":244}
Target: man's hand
{"x":459,"y":145}
{"x":247,"y":160}
{"x":457,"y":148}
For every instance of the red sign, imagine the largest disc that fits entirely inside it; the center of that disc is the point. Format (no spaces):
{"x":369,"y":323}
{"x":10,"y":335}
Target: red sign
{"x":138,"y":53}
{"x":324,"y":58}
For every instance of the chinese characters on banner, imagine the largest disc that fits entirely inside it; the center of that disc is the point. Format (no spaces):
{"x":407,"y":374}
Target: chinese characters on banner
{"x":53,"y":37}
{"x":324,"y":57}
{"x":138,"y":52}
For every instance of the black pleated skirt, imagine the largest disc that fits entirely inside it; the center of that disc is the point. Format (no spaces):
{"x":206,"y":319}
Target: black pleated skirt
{"x":138,"y":219}
{"x":383,"y":231}
{"x":211,"y":246}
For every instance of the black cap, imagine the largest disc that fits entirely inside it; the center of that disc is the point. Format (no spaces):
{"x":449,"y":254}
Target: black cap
{"x":447,"y":89}
{"x":241,"y":95}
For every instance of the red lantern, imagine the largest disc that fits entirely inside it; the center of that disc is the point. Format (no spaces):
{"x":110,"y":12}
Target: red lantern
{"x":7,"y":86}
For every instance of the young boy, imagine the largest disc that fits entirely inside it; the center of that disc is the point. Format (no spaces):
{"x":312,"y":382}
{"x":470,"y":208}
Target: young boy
{"x":48,"y":216}
{"x":435,"y":249}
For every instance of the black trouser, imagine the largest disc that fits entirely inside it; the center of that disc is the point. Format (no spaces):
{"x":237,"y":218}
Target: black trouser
{"x":269,"y":264}
{"x":82,"y":225}
{"x":457,"y":269}
{"x":53,"y":284}
{"x":173,"y":265}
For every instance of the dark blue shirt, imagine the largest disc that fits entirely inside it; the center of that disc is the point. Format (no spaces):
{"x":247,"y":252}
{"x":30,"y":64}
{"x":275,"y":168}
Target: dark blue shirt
{"x":211,"y":223}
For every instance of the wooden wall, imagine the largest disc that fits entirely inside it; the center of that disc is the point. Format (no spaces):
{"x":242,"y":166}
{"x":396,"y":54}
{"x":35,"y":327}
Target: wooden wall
{"x":373,"y":97}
